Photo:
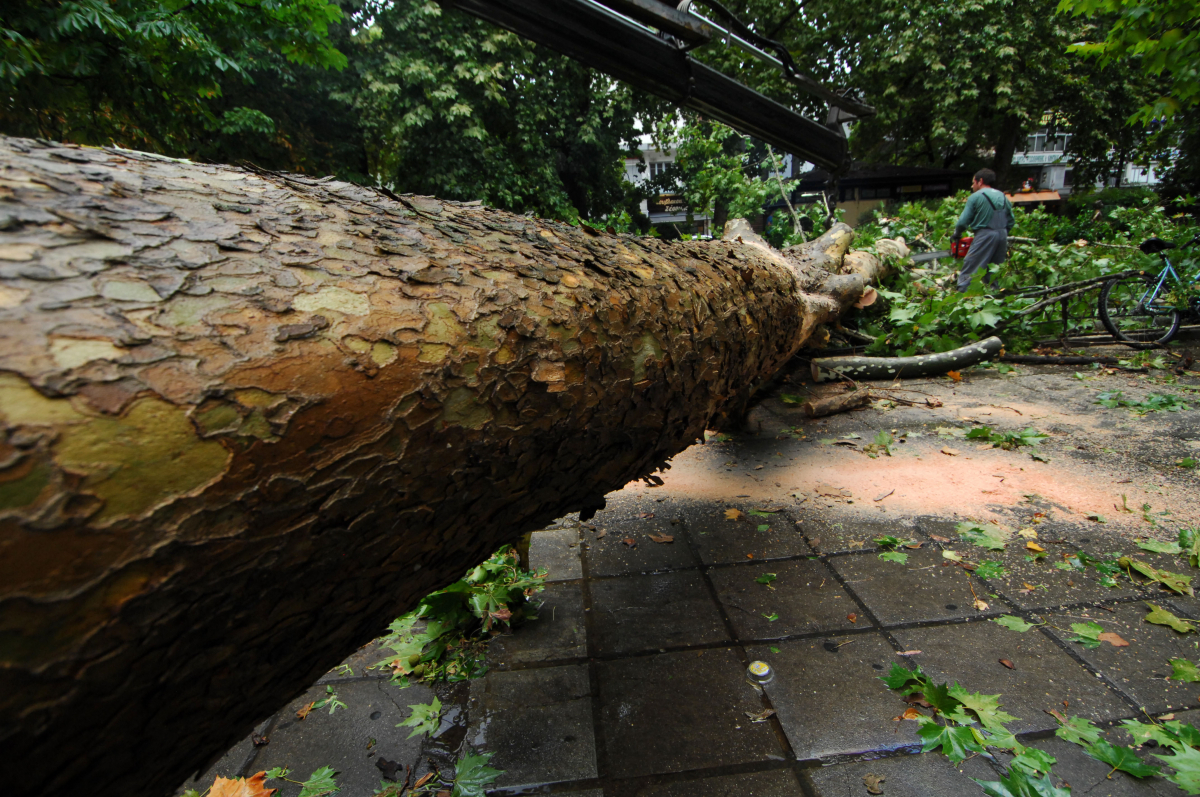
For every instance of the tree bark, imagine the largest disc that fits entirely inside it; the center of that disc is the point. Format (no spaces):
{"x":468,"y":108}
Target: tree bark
{"x":1006,"y":145}
{"x":878,"y":368}
{"x":246,"y":419}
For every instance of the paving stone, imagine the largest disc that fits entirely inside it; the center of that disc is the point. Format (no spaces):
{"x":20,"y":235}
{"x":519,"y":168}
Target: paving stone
{"x":557,"y":633}
{"x":632,"y":614}
{"x":1045,"y":675}
{"x":557,"y":550}
{"x":806,"y":596}
{"x":607,"y":555}
{"x":927,"y":775}
{"x":230,"y":765}
{"x":1141,"y":668}
{"x":340,"y":740}
{"x":844,"y":534}
{"x":829,"y":696}
{"x":773,"y":783}
{"x":360,"y":664}
{"x":719,"y":540}
{"x":679,"y":711}
{"x":925,"y":588}
{"x":1087,"y":776}
{"x":538,"y":724}
{"x":1055,"y":586}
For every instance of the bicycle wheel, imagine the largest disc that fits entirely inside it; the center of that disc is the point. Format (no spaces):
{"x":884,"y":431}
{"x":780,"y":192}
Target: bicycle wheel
{"x":1130,"y":319}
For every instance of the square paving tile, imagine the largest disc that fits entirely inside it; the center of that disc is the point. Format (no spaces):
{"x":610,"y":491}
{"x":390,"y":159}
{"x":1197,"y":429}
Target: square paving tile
{"x":342,"y":740}
{"x":557,"y":633}
{"x":1044,"y":674}
{"x":927,"y":587}
{"x":538,"y":723}
{"x":805,"y":596}
{"x":1087,"y":776}
{"x":720,"y":540}
{"x":557,"y":550}
{"x":829,"y":696}
{"x":927,"y":775}
{"x":608,"y":555}
{"x":631,"y":614}
{"x":680,"y":711}
{"x":773,"y":783}
{"x":1141,"y":669}
{"x":846,"y":534}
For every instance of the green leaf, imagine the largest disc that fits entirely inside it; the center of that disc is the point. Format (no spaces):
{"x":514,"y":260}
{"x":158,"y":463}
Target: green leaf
{"x":1186,"y":763}
{"x":1184,"y":670}
{"x":899,"y":677}
{"x":1158,"y":546}
{"x":774,"y":649}
{"x":319,"y":783}
{"x":472,"y":775}
{"x":1013,"y":623}
{"x":894,"y":556}
{"x":986,"y":708}
{"x":1087,"y":634}
{"x":791,"y":399}
{"x":1160,"y":616}
{"x":938,"y":696}
{"x":763,"y":527}
{"x":988,"y":570}
{"x":278,"y":772}
{"x":1120,"y":757}
{"x":1078,"y":730}
{"x":425,"y":718}
{"x":1172,"y":581}
{"x":765,"y":578}
{"x":1021,"y":783}
{"x":1033,"y":761}
{"x":772,"y":617}
{"x":1189,"y":542}
{"x":760,"y":513}
{"x":956,"y":741}
{"x":986,"y":535}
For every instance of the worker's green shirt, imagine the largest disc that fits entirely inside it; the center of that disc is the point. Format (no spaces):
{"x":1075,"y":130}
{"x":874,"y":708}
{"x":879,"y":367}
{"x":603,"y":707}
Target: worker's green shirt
{"x":980,"y":207}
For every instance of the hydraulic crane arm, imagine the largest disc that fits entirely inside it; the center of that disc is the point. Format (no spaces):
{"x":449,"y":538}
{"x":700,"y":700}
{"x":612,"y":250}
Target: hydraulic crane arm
{"x":618,"y":45}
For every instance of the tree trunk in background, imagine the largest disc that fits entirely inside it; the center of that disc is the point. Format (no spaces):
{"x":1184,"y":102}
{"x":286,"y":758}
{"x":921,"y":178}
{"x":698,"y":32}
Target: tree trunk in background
{"x":246,"y":419}
{"x":1006,"y":145}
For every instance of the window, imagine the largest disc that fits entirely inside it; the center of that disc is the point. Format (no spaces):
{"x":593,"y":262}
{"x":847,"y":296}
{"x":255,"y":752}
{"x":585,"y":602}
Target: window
{"x":658,"y":168}
{"x":1068,"y":175}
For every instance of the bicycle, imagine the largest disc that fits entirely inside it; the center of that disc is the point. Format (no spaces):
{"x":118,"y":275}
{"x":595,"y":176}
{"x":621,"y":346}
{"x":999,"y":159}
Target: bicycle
{"x":1137,"y":308}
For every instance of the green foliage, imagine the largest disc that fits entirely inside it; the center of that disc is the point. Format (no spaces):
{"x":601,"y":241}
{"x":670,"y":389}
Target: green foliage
{"x":1172,"y":581}
{"x":1189,"y":544}
{"x":984,"y":535}
{"x":1020,"y":782}
{"x":988,"y":570}
{"x":1120,"y":757}
{"x":330,"y":699}
{"x":1078,"y":730}
{"x":425,"y":718}
{"x":445,"y":637}
{"x":1154,"y":402}
{"x":152,"y":74}
{"x":1087,"y":634}
{"x":882,"y":444}
{"x":1160,"y":35}
{"x":766,"y":578}
{"x":1184,"y":670}
{"x":894,"y":556}
{"x":1013,"y":623}
{"x":319,"y":783}
{"x":1158,"y":546}
{"x":921,"y":312}
{"x":1007,"y":440}
{"x":472,"y":775}
{"x":1160,"y":616}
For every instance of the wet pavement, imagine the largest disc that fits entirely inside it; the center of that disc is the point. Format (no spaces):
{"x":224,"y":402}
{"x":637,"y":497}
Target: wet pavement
{"x":632,"y":682}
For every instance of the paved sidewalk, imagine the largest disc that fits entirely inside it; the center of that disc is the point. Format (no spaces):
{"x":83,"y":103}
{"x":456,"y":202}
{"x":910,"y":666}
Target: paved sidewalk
{"x":632,"y":680}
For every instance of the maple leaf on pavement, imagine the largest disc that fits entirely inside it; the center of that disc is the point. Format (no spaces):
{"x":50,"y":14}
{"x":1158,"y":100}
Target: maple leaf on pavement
{"x":1078,"y":730}
{"x":1020,"y":783}
{"x":1120,"y":757}
{"x":986,"y":707}
{"x":241,"y":787}
{"x":1186,"y":764}
{"x":956,"y":741}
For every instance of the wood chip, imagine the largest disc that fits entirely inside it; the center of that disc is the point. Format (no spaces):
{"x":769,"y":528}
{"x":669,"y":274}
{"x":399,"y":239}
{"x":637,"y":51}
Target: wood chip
{"x":630,"y":541}
{"x":872,"y":782}
{"x":909,"y":653}
{"x":951,"y":452}
{"x":1008,"y":664}
{"x":662,"y":539}
{"x":885,"y":495}
{"x":852,"y":617}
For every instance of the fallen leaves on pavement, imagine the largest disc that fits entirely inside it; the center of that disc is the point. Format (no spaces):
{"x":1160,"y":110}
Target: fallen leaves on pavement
{"x":872,"y":782}
{"x":733,"y":514}
{"x":241,"y":787}
{"x":662,"y":539}
{"x":302,"y":713}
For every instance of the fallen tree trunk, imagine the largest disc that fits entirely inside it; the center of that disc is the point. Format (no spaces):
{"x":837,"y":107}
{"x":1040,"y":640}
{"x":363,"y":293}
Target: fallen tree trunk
{"x":831,"y":405}
{"x":249,"y":418}
{"x":877,"y":368}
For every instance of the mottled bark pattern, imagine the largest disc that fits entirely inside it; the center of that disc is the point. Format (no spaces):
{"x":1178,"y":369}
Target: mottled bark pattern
{"x":246,"y":419}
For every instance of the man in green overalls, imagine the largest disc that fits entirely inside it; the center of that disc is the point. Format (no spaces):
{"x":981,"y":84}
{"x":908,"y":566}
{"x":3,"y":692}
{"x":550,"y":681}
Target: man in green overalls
{"x":989,"y":216}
